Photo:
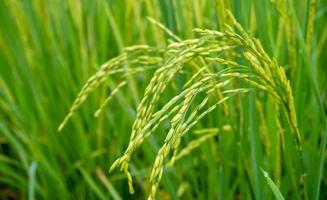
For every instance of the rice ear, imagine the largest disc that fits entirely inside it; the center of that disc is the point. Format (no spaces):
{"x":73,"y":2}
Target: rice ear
{"x":182,"y":111}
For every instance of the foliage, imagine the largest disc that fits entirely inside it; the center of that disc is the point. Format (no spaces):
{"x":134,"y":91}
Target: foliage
{"x":191,"y":100}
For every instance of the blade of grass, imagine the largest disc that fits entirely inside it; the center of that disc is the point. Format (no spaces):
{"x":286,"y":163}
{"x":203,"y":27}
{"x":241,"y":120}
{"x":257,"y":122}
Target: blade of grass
{"x":272,"y":186}
{"x":32,"y":180}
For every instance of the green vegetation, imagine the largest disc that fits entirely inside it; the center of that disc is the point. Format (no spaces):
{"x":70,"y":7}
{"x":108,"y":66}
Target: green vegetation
{"x":188,"y":99}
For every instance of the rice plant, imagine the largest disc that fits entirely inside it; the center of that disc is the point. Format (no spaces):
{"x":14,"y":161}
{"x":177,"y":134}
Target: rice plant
{"x":192,"y":100}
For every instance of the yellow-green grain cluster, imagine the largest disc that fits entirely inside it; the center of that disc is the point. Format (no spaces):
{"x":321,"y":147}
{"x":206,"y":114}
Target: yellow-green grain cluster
{"x":201,"y":56}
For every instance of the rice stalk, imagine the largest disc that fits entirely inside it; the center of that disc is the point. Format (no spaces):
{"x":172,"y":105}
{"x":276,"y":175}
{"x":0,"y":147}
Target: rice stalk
{"x":310,"y":25}
{"x":290,"y":29}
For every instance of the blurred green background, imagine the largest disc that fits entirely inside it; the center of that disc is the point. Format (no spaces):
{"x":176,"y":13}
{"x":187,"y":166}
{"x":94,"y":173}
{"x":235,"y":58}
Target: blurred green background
{"x":48,"y":49}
